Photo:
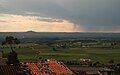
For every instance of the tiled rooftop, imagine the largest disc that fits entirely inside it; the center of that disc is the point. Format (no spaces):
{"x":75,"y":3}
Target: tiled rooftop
{"x":10,"y":70}
{"x":49,"y":68}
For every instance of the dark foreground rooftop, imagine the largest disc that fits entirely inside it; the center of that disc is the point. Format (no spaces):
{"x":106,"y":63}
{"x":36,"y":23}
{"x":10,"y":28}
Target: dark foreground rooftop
{"x":10,"y":70}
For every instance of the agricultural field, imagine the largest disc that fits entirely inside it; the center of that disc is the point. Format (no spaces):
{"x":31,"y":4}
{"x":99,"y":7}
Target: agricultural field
{"x":33,"y":52}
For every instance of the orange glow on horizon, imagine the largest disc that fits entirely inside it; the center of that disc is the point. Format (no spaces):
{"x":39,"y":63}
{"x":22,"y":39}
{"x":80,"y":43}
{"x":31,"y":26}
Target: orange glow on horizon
{"x":19,"y":23}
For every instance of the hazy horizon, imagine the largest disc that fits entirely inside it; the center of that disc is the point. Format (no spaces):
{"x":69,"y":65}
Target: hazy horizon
{"x":60,"y":16}
{"x":53,"y":32}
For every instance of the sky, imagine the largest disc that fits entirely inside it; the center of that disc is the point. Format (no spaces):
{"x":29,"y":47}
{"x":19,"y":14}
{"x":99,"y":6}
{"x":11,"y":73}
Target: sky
{"x":60,"y":15}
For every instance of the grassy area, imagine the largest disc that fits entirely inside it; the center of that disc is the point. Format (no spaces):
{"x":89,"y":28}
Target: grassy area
{"x":95,"y":54}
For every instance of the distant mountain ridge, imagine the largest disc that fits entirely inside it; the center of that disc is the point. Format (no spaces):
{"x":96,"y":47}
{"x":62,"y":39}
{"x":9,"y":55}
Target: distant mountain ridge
{"x":32,"y":34}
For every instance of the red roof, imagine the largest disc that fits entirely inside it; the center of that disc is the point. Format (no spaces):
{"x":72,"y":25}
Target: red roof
{"x":49,"y":68}
{"x":34,"y":69}
{"x":59,"y":68}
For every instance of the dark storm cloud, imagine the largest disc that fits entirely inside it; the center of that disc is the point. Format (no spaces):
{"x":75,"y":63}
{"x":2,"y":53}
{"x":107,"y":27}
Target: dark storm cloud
{"x":90,"y":14}
{"x":1,"y":8}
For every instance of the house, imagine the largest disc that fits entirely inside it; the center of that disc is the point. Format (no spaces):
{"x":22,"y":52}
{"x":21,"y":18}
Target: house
{"x":50,"y":67}
{"x":10,"y":70}
{"x":91,"y":70}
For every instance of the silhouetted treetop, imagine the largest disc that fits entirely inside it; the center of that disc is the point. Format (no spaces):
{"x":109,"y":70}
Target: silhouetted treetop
{"x":10,"y":40}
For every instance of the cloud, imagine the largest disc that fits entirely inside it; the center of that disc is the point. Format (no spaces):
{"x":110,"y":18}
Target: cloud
{"x":2,"y":21}
{"x":49,"y":19}
{"x":16,"y":23}
{"x":104,"y":29}
{"x":92,"y":15}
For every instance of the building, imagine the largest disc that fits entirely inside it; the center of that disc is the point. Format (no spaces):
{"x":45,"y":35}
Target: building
{"x":10,"y":70}
{"x":49,"y":67}
{"x":92,"y":70}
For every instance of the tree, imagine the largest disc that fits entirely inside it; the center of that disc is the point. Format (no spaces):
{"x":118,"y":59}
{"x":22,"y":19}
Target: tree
{"x":10,"y":40}
{"x":111,"y":61}
{"x":97,"y":63}
{"x":12,"y":58}
{"x":54,"y":49}
{"x":16,"y":41}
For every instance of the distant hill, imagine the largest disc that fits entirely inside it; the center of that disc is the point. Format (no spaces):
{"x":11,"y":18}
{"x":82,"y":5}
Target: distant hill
{"x":32,"y":34}
{"x":30,"y":31}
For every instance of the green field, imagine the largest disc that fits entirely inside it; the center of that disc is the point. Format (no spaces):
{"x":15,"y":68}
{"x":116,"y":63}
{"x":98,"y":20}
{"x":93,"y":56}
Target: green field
{"x":95,"y":54}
